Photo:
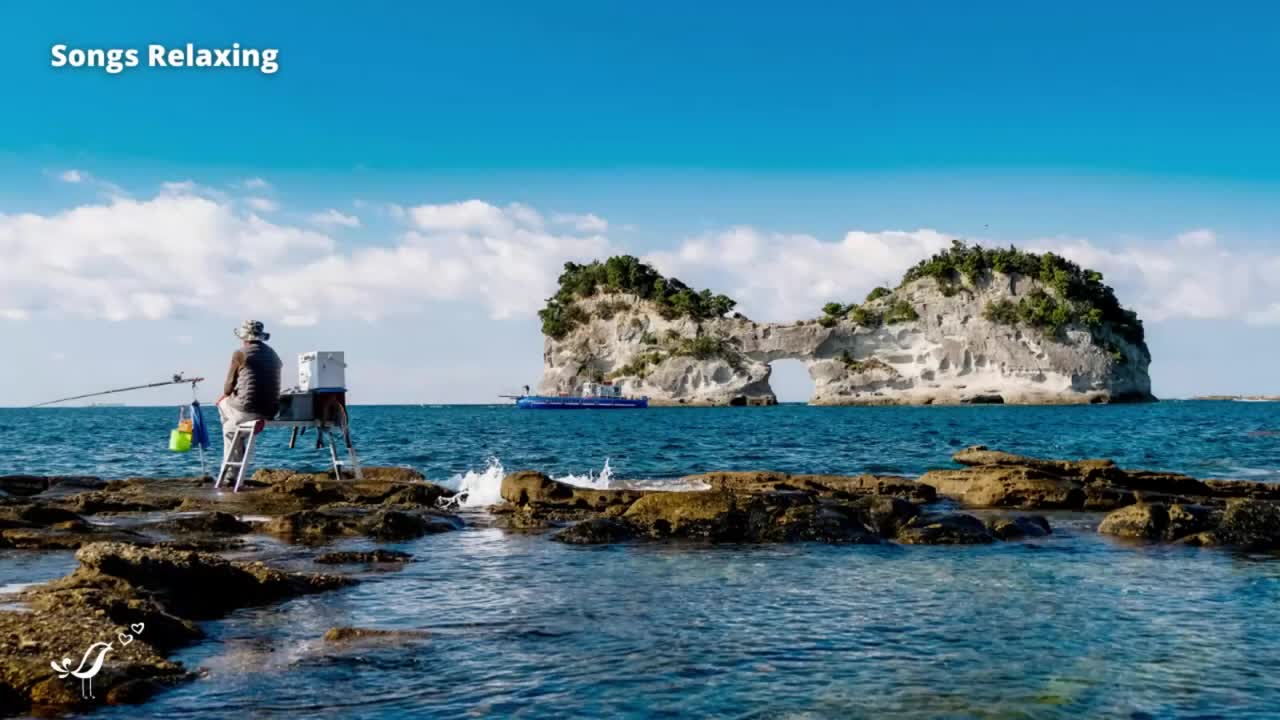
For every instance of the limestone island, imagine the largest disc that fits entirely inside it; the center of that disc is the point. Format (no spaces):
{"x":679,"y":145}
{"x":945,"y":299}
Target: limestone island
{"x":968,"y":325}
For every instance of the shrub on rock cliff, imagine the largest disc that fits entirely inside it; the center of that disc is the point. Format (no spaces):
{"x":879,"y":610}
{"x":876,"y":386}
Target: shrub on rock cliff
{"x":625,"y":274}
{"x":1079,"y":295}
{"x":877,"y":293}
{"x":900,"y":311}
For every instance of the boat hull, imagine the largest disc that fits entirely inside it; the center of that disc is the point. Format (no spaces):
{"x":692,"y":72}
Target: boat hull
{"x":538,"y":402}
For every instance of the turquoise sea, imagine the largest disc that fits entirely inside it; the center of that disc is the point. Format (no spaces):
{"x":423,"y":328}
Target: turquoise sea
{"x":1074,"y":625}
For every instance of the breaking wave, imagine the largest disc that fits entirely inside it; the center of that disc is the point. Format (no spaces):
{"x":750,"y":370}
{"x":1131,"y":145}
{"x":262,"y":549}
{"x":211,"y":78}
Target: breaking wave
{"x":480,"y":489}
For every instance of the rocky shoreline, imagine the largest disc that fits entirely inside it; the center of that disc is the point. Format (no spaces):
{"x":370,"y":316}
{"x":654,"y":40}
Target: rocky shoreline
{"x":152,"y":553}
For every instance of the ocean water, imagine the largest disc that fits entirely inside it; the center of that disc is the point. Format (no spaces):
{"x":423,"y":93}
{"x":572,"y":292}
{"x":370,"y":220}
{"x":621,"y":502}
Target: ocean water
{"x":1074,"y":625}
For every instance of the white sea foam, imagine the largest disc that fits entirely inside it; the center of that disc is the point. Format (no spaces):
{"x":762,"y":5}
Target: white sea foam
{"x":478,"y":489}
{"x":596,"y":481}
{"x":484,"y":488}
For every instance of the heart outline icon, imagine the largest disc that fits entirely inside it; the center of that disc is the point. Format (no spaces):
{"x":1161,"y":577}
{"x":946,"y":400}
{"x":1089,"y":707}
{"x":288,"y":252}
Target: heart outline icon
{"x":137,"y":628}
{"x":124,"y":638}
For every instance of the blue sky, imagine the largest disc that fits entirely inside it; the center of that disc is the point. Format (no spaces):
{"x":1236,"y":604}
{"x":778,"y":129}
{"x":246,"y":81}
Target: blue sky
{"x":1140,"y":138}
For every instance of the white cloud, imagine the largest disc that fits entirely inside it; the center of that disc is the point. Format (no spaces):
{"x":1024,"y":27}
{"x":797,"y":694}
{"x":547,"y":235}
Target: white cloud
{"x":254,"y":183}
{"x":179,"y":187}
{"x":299,"y":320}
{"x":73,"y":176}
{"x":776,"y":276}
{"x":186,"y":250}
{"x":474,"y":216}
{"x":262,"y":204}
{"x":181,"y":252}
{"x":333,"y":218}
{"x":149,"y":259}
{"x":781,"y":277}
{"x":584,"y":223}
{"x":1191,"y":276}
{"x":500,"y":257}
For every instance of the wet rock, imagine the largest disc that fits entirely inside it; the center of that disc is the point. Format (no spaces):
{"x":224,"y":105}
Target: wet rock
{"x":135,"y":692}
{"x":1249,"y":524}
{"x":352,"y":557}
{"x":272,"y":476}
{"x":27,"y":485}
{"x":1100,"y":497}
{"x":323,"y":490}
{"x":1187,"y":520}
{"x":792,"y":517}
{"x":981,"y":455}
{"x":534,"y":489}
{"x":309,"y":526}
{"x":999,"y":479}
{"x":199,"y":585}
{"x":114,"y":501}
{"x":840,"y":486}
{"x":351,"y":634}
{"x":886,"y":514}
{"x":707,"y":514}
{"x":1244,"y":489}
{"x":69,"y":535}
{"x":1022,"y":526}
{"x":511,"y":517}
{"x":597,"y":531}
{"x":35,"y":515}
{"x":139,"y":601}
{"x":213,"y":522}
{"x":202,"y":544}
{"x":1175,"y":484}
{"x":1007,"y":486}
{"x":400,"y":525}
{"x":1158,"y":521}
{"x":312,"y":526}
{"x":947,"y":529}
{"x":1145,"y":521}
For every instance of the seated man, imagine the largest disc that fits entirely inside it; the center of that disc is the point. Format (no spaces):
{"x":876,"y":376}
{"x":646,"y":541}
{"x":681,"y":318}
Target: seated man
{"x":252,"y":389}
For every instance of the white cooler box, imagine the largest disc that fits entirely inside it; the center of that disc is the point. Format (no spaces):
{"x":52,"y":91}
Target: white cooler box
{"x":322,"y":370}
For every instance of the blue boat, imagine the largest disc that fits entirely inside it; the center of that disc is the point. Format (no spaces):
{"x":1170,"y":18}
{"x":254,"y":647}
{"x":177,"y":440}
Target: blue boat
{"x":595,"y":396}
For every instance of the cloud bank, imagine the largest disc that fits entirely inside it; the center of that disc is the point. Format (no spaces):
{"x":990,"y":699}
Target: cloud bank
{"x":192,"y":249}
{"x":185,"y":251}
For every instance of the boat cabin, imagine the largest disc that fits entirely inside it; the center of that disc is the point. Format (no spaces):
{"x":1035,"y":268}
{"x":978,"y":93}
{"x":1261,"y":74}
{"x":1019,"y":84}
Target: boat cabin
{"x":601,"y":390}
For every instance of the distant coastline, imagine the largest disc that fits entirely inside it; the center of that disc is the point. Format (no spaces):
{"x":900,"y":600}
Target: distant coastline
{"x":1243,"y":398}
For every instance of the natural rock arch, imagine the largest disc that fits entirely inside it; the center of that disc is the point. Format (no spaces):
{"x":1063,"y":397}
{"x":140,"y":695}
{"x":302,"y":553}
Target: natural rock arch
{"x":942,"y":336}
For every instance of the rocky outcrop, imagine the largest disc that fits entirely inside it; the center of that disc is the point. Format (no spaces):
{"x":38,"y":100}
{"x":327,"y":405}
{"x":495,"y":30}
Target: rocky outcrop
{"x":999,"y":479}
{"x":135,"y":604}
{"x":351,"y":557}
{"x":926,"y":342}
{"x":372,"y":635}
{"x":1244,"y":523}
{"x":743,"y":507}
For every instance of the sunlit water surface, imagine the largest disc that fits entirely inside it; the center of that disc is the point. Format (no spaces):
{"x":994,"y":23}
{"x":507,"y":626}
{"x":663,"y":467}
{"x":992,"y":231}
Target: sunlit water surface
{"x":1076,"y":625}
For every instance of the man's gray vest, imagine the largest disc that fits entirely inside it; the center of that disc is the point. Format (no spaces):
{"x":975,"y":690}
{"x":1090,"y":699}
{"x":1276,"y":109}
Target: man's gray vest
{"x":258,"y":382}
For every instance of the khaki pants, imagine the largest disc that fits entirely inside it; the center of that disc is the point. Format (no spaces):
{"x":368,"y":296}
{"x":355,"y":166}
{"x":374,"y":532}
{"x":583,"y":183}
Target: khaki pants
{"x":231,"y":418}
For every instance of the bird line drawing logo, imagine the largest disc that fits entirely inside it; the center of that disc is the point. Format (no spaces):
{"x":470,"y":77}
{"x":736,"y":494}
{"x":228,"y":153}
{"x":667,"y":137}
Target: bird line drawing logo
{"x":93,"y":659}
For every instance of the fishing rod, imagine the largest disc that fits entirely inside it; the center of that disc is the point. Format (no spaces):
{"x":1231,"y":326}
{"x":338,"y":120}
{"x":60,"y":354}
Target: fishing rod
{"x":175,"y":380}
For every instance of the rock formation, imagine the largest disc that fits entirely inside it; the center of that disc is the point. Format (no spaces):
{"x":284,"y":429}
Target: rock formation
{"x":1006,"y":327}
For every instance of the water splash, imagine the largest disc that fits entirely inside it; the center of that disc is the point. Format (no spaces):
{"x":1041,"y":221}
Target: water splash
{"x":601,"y":481}
{"x":477,"y":489}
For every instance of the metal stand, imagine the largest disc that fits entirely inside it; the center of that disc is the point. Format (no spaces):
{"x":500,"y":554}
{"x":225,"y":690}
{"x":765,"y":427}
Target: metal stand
{"x":325,"y":432}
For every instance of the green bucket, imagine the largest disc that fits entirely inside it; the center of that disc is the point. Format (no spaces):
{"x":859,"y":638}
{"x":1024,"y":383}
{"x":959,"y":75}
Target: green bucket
{"x":179,"y":440}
